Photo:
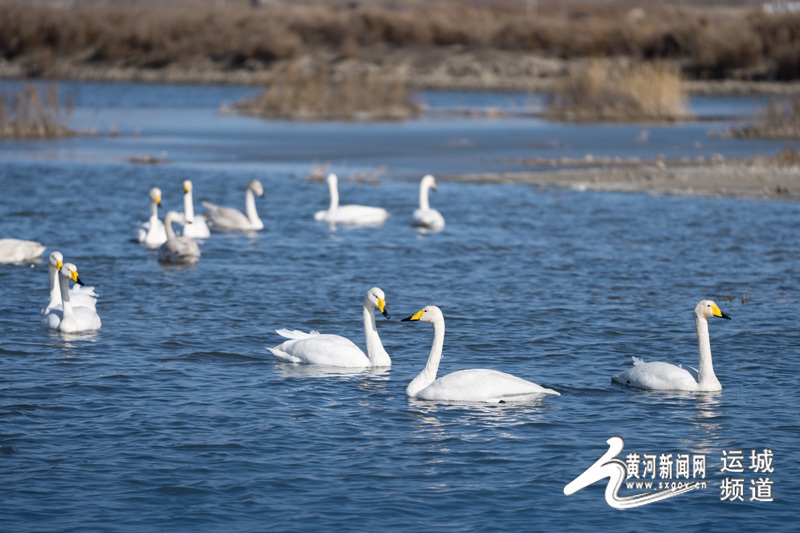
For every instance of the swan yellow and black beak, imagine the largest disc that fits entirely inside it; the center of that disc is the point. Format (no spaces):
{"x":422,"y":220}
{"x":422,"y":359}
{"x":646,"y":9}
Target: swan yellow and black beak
{"x":73,"y":274}
{"x":382,"y":307}
{"x":415,"y":316}
{"x":59,"y":264}
{"x":187,"y":187}
{"x":716,"y":311}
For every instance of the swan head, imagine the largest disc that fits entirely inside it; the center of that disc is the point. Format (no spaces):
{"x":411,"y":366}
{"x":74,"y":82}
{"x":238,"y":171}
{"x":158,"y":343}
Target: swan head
{"x":377,"y":298}
{"x":155,"y":195}
{"x":708,"y":309}
{"x":56,"y":260}
{"x":174,"y":216}
{"x":429,"y":182}
{"x":187,"y":186}
{"x":430,"y":314}
{"x":257,"y":188}
{"x":332,"y":179}
{"x":68,"y":270}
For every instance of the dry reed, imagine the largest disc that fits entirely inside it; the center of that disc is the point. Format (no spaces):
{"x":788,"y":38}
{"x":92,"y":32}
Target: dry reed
{"x":620,"y":91}
{"x":33,"y":113}
{"x":779,"y":120}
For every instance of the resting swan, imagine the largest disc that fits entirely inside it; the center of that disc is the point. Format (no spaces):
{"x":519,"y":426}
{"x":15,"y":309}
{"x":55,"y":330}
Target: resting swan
{"x":355,"y":215}
{"x":228,"y":218}
{"x":19,"y":251}
{"x":152,"y":232}
{"x":177,"y":250}
{"x":333,"y":350}
{"x":425,"y":217}
{"x":79,"y":296}
{"x":473,"y":385}
{"x":70,"y":319}
{"x":664,"y":376}
{"x":195,"y":226}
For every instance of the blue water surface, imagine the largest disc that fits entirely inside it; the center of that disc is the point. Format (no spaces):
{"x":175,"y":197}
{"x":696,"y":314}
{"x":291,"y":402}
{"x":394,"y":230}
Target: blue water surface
{"x":174,"y":417}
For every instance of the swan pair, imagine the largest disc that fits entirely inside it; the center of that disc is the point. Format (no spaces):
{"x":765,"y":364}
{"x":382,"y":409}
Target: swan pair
{"x":20,"y":251}
{"x":424,"y":218}
{"x":79,"y":295}
{"x":70,"y":318}
{"x":153,"y":232}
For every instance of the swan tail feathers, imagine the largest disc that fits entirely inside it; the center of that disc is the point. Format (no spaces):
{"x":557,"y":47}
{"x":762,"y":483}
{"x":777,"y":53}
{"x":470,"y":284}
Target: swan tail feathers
{"x":210,"y":206}
{"x":637,"y":361}
{"x":295,"y":334}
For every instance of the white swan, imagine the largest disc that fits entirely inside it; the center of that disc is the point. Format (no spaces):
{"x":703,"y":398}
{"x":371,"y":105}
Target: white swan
{"x":333,"y":350}
{"x":19,"y":251}
{"x":228,"y":218}
{"x":473,"y":385}
{"x":195,"y":226}
{"x":70,"y":319}
{"x":664,"y":376}
{"x":79,"y":296}
{"x":355,"y":215}
{"x":425,"y":217}
{"x":177,"y":250}
{"x":152,"y":232}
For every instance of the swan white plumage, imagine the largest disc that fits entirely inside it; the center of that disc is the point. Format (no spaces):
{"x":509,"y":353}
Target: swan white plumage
{"x":70,"y":319}
{"x":333,"y":350}
{"x":665,"y":376}
{"x":354,"y":215}
{"x":177,"y":250}
{"x":473,"y":385}
{"x":20,"y":251}
{"x":195,"y":226}
{"x":425,"y":217}
{"x":228,"y":218}
{"x":152,"y":232}
{"x":80,"y":296}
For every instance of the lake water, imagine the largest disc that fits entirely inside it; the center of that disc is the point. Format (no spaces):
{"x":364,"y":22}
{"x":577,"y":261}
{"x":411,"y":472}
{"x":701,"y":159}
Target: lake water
{"x":174,"y":417}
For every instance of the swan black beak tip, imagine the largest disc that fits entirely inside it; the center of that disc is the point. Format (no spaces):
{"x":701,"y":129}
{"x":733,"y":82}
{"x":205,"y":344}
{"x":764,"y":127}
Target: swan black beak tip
{"x":407,"y":319}
{"x":385,"y":313}
{"x":79,"y":282}
{"x":723,"y":315}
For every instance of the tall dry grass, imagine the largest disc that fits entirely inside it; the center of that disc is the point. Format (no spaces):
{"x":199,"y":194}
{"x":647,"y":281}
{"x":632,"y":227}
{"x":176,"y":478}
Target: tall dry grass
{"x":779,"y":120}
{"x":368,"y":96}
{"x":32,"y":113}
{"x":709,"y":43}
{"x":620,"y":91}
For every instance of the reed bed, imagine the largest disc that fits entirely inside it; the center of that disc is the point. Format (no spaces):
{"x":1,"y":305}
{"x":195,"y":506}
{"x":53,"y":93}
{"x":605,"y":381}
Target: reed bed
{"x":620,"y":91}
{"x":779,"y":120}
{"x":34,"y":113}
{"x":321,"y":96}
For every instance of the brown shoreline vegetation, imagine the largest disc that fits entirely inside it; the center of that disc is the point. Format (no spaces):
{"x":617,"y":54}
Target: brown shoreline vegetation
{"x":31,"y":112}
{"x":779,"y":120}
{"x":433,"y":44}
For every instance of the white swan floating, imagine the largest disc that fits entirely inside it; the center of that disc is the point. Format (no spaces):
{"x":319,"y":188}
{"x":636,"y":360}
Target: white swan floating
{"x":70,"y":319}
{"x":354,"y":215}
{"x":19,"y":251}
{"x":425,"y":217}
{"x":473,"y":385}
{"x":79,"y":296}
{"x":177,"y":250}
{"x":195,"y":226}
{"x":228,"y":218}
{"x":333,"y":350}
{"x":152,"y":232}
{"x":664,"y":376}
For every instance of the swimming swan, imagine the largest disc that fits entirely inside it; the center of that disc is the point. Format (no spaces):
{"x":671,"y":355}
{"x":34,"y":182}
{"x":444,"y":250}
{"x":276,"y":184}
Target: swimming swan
{"x":19,"y":251}
{"x":425,"y":217}
{"x":333,"y":350}
{"x":664,"y":376}
{"x":355,"y":215}
{"x":152,"y":232}
{"x":177,"y":250}
{"x":79,"y":296}
{"x":70,"y":319}
{"x":473,"y":385}
{"x":228,"y":218}
{"x":195,"y":226}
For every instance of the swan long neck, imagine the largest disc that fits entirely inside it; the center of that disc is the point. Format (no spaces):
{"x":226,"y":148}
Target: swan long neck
{"x":705,"y":373}
{"x":428,"y":374}
{"x":55,"y":289}
{"x":375,"y":352}
{"x":334,"y":190}
{"x":66,"y":306}
{"x":250,"y":208}
{"x":188,"y":206}
{"x":153,"y":209}
{"x":424,"y":189}
{"x":168,"y":228}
